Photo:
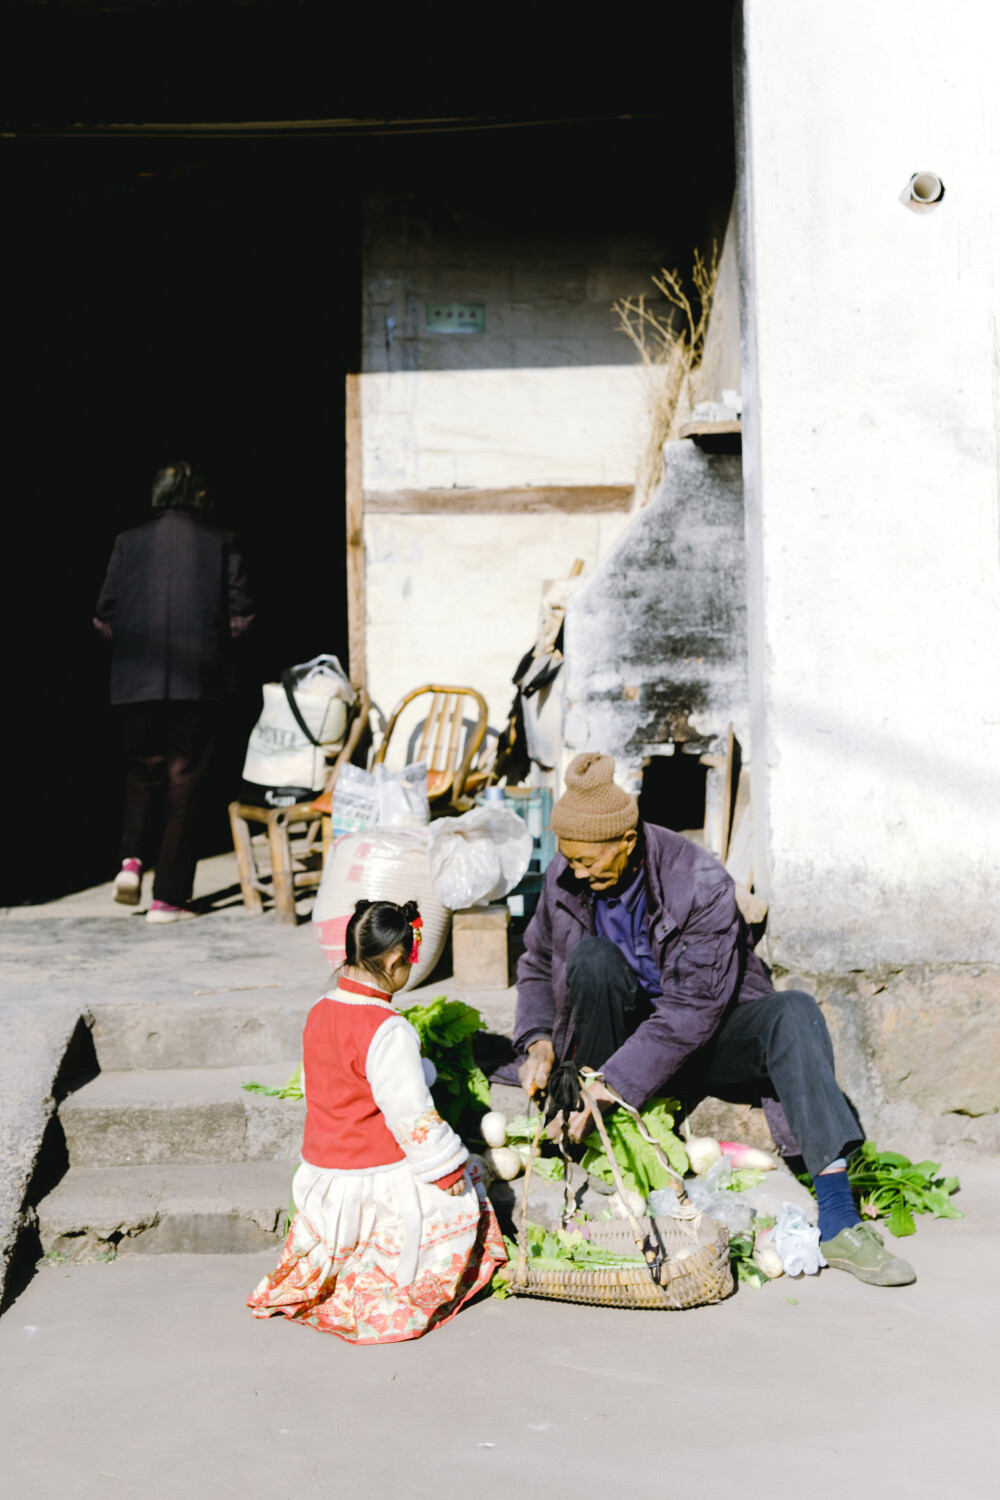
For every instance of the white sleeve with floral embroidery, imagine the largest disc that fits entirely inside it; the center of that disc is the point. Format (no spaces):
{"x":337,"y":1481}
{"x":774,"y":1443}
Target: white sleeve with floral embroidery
{"x":395,"y":1072}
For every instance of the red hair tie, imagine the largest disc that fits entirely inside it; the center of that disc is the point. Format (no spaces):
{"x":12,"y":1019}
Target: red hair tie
{"x":416,"y":927}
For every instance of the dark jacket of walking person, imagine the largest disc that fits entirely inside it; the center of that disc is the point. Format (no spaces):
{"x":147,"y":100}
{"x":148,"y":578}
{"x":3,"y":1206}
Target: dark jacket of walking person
{"x":174,"y":596}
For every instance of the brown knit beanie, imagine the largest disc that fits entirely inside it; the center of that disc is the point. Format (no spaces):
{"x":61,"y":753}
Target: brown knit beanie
{"x":592,"y":810}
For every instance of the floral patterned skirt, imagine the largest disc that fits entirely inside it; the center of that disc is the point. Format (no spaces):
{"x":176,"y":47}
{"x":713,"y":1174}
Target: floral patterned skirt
{"x":379,"y":1258}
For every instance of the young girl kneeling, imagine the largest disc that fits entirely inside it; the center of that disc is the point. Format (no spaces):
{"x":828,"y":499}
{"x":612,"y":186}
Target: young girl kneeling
{"x":390,"y":1236}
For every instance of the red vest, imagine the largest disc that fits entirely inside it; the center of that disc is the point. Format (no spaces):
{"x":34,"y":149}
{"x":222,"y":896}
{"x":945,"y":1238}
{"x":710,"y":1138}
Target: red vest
{"x":344,"y":1126}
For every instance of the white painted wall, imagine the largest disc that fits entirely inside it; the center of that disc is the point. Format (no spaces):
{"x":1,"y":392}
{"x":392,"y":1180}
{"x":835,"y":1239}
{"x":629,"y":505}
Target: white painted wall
{"x":455,"y":599}
{"x":870,"y":382}
{"x":501,"y":429}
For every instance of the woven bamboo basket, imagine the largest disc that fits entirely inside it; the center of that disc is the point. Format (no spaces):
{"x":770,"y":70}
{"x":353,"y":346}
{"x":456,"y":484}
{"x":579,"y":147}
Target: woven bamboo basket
{"x":695,"y":1271}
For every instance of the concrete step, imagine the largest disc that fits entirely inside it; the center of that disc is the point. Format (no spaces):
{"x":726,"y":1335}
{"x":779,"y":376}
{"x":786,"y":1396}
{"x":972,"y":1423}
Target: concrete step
{"x":210,"y":1209}
{"x":248,"y":1030}
{"x":250,"y":1027}
{"x":181,"y":1116}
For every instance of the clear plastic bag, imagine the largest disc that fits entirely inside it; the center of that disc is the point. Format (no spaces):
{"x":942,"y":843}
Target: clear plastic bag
{"x":479,"y":857}
{"x":797,"y":1242}
{"x":401,"y":796}
{"x":710,"y":1194}
{"x":355,"y":806}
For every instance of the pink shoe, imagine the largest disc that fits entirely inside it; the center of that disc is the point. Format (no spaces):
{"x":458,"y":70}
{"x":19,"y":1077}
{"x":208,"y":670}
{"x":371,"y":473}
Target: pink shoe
{"x":162,"y":911}
{"x":128,"y":882}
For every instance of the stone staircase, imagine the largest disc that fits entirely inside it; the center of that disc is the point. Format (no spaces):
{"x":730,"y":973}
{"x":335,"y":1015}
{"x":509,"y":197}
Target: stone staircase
{"x":167,"y":1154}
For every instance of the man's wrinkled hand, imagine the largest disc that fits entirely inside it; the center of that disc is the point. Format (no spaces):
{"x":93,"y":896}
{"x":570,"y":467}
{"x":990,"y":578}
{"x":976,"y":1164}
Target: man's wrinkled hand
{"x":535,"y":1070}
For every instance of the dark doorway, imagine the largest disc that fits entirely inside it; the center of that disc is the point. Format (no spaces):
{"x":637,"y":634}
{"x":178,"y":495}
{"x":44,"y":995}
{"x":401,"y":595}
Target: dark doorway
{"x":194,"y":300}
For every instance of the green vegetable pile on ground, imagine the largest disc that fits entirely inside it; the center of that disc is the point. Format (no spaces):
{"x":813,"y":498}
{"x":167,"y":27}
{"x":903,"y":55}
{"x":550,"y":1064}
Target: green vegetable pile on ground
{"x":891,"y":1187}
{"x":446,"y":1028}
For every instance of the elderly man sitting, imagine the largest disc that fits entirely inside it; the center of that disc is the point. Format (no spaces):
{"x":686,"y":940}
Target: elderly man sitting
{"x":639,"y":965}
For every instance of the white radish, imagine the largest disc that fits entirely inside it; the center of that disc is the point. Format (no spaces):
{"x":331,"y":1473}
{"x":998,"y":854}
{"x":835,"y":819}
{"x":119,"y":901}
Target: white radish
{"x":493,"y":1128}
{"x":504,"y":1162}
{"x":747,"y":1156}
{"x":767,"y":1259}
{"x":702,"y":1151}
{"x":620,"y":1205}
{"x":523,"y":1151}
{"x":765,"y":1256}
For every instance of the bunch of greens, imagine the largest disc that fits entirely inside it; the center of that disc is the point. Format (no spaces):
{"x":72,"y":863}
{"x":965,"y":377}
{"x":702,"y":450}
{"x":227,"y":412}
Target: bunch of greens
{"x":892,"y":1187}
{"x":521,"y":1132}
{"x":446,"y":1028}
{"x":290,"y":1090}
{"x":640,"y":1165}
{"x":567,"y":1250}
{"x":741,"y":1248}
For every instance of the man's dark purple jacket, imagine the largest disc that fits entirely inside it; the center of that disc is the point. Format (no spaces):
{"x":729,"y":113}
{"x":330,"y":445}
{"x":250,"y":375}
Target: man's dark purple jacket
{"x":698,"y":938}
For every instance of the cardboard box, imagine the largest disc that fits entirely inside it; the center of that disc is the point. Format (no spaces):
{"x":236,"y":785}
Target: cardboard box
{"x":479,"y":947}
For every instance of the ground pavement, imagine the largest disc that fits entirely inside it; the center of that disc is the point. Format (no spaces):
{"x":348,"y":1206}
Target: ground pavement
{"x":147,"y":1375}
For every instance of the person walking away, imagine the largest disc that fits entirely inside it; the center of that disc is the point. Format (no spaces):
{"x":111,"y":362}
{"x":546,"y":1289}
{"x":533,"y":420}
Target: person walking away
{"x":174,"y":597}
{"x":390,"y":1236}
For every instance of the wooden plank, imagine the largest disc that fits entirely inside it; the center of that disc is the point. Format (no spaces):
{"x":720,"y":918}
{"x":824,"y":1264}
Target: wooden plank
{"x":356,"y":645}
{"x":571,"y":499}
{"x":708,"y":429}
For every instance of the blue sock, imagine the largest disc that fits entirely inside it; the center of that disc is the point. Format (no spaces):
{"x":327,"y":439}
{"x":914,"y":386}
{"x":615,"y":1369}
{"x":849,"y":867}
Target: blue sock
{"x":836,"y":1205}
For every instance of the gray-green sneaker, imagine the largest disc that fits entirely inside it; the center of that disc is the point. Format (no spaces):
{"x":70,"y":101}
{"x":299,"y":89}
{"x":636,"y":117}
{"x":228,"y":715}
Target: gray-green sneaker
{"x":862,"y":1252}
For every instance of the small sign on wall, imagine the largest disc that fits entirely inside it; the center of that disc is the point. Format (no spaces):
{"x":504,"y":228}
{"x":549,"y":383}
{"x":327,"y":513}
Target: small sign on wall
{"x":456,"y":317}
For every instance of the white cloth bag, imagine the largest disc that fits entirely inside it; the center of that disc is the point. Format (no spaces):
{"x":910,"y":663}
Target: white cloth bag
{"x":304,"y":717}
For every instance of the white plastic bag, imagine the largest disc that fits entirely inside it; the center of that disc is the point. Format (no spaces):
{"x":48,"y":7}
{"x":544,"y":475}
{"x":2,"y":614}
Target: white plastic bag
{"x":401,"y":796}
{"x":479,"y":857}
{"x":797,"y":1242}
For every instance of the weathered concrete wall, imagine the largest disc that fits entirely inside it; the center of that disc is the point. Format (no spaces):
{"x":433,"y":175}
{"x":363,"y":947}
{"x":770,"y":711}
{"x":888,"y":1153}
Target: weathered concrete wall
{"x":656,"y":639}
{"x":918,"y":1052}
{"x":870,"y":387}
{"x":455,"y":599}
{"x":549,"y":394}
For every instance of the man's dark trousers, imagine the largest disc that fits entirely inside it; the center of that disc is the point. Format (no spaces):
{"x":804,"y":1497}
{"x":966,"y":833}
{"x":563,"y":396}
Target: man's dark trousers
{"x":168,"y":748}
{"x":777,"y":1047}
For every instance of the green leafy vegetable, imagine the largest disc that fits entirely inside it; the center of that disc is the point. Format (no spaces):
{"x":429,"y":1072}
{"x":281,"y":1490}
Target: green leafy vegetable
{"x":889,"y":1186}
{"x":445,"y":1028}
{"x":290,"y":1090}
{"x":567,"y":1250}
{"x":742,"y":1178}
{"x":741,"y":1255}
{"x":892,"y":1187}
{"x":640,"y":1165}
{"x":521,"y":1131}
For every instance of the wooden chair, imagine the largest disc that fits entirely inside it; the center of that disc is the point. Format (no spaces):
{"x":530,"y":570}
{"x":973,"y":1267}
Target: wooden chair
{"x":447,"y":746}
{"x":284,"y":854}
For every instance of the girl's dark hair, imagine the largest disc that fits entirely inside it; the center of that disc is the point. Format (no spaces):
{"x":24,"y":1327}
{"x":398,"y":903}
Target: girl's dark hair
{"x":376,"y":928}
{"x":181,"y":486}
